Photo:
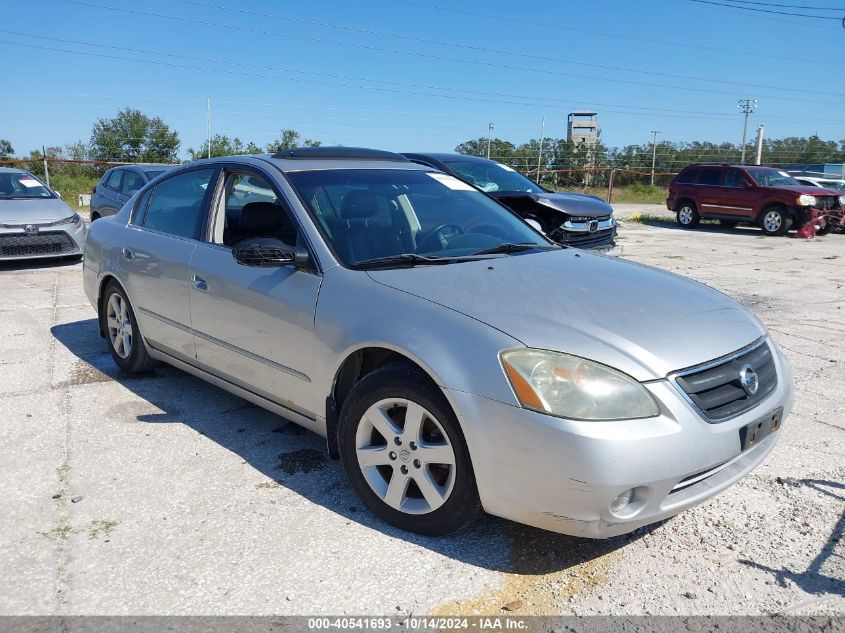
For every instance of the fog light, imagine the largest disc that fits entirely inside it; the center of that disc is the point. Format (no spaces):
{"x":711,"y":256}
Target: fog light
{"x":621,"y":502}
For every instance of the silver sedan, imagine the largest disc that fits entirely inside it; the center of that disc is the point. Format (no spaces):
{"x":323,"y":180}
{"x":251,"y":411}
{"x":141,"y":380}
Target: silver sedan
{"x":453,"y":358}
{"x":34,"y":221}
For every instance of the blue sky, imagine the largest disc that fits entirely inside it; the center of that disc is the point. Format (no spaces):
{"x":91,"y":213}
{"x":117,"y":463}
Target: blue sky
{"x":418,"y":75}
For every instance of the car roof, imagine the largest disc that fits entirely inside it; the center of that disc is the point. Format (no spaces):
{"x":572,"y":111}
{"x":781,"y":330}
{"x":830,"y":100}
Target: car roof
{"x":321,"y":158}
{"x":445,"y":157}
{"x":13,"y":170}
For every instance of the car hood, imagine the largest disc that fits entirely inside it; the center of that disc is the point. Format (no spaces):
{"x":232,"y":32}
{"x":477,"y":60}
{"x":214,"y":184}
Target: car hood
{"x":640,"y":320}
{"x":577,"y":204}
{"x":810,"y":190}
{"x":33,"y":211}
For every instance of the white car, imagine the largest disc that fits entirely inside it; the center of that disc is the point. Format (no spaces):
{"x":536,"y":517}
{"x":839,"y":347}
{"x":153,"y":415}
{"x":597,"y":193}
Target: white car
{"x":823,"y":183}
{"x":34,"y":221}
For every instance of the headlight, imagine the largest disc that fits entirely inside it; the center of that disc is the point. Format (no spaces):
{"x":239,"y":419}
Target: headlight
{"x":74,"y":219}
{"x":576,"y":388}
{"x":806,"y":201}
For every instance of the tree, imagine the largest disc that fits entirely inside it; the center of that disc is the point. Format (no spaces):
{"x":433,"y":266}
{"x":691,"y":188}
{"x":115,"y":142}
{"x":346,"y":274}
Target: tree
{"x":502,"y":151}
{"x":289,"y":139}
{"x":6,"y":149}
{"x":222,"y":145}
{"x":133,"y":137}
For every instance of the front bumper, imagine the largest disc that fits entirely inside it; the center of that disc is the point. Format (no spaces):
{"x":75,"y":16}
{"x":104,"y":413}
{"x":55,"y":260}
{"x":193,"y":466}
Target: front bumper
{"x":50,"y":241}
{"x":588,"y":234}
{"x":562,"y":475}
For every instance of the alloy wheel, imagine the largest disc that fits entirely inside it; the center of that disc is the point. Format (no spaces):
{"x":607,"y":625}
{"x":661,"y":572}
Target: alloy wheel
{"x":772,"y":221}
{"x":119,"y":325}
{"x":405,"y":456}
{"x":685,"y":215}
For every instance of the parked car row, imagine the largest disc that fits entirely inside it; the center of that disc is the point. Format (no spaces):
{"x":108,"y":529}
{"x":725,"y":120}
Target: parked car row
{"x":454,"y":357}
{"x":767,"y":197}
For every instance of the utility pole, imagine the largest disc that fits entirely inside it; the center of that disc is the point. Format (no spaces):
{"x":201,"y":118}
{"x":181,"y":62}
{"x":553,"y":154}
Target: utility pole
{"x":46,"y":169}
{"x":654,"y":134}
{"x":540,"y":157}
{"x":759,"y":144}
{"x":746,"y":106}
{"x":208,"y":127}
{"x":489,"y":138}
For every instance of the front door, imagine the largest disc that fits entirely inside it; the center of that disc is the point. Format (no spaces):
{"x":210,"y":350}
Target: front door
{"x":254,"y":326}
{"x":156,"y":254}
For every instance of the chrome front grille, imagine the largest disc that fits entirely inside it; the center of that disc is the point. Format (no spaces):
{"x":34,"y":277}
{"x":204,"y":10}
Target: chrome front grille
{"x":716,"y":388}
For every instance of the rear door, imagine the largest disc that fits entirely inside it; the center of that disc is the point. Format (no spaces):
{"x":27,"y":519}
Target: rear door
{"x":709,"y":191}
{"x":165,"y":229}
{"x":110,"y":191}
{"x":254,"y":326}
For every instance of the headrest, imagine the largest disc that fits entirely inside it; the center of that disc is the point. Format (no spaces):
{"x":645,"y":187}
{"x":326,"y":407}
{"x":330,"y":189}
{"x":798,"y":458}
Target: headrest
{"x":359,"y":204}
{"x":261,"y":217}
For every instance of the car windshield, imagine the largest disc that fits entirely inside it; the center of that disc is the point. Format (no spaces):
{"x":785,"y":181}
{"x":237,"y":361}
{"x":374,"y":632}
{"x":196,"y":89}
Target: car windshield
{"x":491,"y":177}
{"x":773,"y":178}
{"x":368,"y":214}
{"x":21,"y":185}
{"x":832,"y":184}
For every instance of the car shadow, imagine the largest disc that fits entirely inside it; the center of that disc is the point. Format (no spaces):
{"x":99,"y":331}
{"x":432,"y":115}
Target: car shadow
{"x":813,"y":580}
{"x":292,"y":457}
{"x":706,"y":226}
{"x":38,"y":264}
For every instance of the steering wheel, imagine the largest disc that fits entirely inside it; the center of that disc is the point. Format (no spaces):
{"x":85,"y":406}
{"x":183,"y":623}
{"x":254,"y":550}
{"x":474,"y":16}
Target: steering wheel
{"x":444,"y":234}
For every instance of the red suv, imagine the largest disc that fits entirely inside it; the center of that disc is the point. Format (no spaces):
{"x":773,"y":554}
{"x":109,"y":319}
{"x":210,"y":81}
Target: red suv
{"x":765,"y":196}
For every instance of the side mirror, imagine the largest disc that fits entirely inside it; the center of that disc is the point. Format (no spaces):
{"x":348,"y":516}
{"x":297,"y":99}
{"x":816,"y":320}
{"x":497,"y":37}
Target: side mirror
{"x":269,"y":252}
{"x":58,"y":193}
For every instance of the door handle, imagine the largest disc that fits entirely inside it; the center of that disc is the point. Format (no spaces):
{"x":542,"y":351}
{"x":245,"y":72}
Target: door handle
{"x":199,"y":283}
{"x":128,"y":254}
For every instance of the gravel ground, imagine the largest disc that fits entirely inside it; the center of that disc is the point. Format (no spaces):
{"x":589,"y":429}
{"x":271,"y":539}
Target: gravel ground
{"x":164,"y":495}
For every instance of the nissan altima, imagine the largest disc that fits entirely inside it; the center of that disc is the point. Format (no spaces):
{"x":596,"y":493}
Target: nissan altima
{"x":405,"y":316}
{"x":34,"y":221}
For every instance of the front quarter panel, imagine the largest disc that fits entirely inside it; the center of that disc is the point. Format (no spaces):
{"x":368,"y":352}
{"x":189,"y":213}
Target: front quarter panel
{"x":457,"y":351}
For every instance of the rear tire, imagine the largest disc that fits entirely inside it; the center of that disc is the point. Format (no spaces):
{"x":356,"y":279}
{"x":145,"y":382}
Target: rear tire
{"x":774,"y":221}
{"x":404,"y":453}
{"x":120,"y":326}
{"x":687,"y":215}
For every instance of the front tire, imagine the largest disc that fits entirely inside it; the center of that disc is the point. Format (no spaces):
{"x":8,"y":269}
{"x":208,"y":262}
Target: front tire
{"x":687,"y":215}
{"x":404,"y":452}
{"x":774,"y":221}
{"x":120,"y":326}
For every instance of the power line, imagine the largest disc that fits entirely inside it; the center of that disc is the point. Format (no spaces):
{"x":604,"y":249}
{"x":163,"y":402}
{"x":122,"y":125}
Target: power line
{"x":495,"y":97}
{"x":673,"y":44}
{"x":772,"y":11}
{"x":498,"y":66}
{"x":787,"y":6}
{"x":473,"y":47}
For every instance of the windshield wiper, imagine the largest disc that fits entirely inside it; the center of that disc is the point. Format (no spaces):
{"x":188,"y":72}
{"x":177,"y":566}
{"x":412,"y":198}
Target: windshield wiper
{"x":409,"y":259}
{"x":510,"y":247}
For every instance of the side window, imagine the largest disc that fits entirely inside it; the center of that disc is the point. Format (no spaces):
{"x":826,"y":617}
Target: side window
{"x":252,"y":209}
{"x":140,"y":207}
{"x":175,"y":205}
{"x":113,"y":181}
{"x":688,"y":176}
{"x":734,"y":178}
{"x":132,"y":182}
{"x":710,"y":177}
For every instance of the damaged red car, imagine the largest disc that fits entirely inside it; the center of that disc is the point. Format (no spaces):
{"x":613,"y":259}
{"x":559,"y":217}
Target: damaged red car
{"x":751,"y":194}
